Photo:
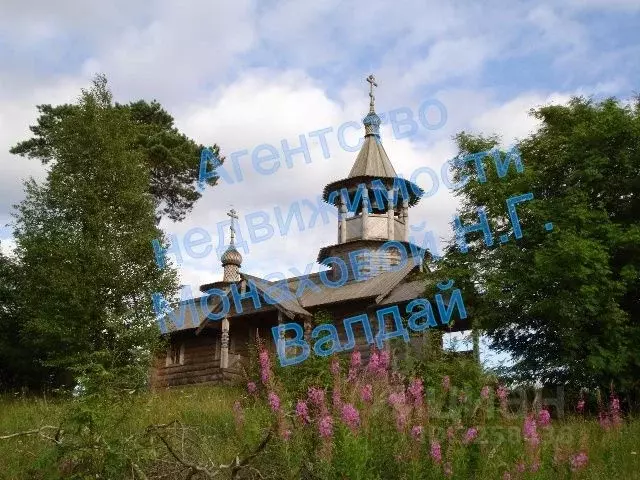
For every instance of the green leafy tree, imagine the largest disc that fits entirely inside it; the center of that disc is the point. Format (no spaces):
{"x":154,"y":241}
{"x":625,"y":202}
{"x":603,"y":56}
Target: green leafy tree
{"x":84,"y":239}
{"x":15,"y":361}
{"x":173,"y":160}
{"x":566,"y":303}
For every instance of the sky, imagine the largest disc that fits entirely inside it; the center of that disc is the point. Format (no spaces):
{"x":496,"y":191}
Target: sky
{"x":244,"y":73}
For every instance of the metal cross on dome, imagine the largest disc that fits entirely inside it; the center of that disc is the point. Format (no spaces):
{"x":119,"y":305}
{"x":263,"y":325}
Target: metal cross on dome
{"x":234,"y":216}
{"x":372,"y":83}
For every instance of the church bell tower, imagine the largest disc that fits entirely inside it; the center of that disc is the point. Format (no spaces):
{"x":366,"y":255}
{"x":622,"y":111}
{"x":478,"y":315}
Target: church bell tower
{"x":373,"y":207}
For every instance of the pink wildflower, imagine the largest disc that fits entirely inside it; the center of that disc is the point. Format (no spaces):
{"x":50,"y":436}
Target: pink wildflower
{"x":502,"y":393}
{"x":374,"y":362}
{"x":520,"y":467}
{"x":470,"y":436}
{"x":356,"y":359}
{"x":252,"y":388}
{"x":579,"y":461}
{"x":337,"y":401}
{"x":506,"y":476}
{"x":286,"y":435}
{"x":397,"y":399}
{"x":614,"y":409}
{"x":615,"y":404}
{"x":484,"y":393}
{"x":580,"y":406}
{"x":416,"y":432}
{"x":316,"y":396}
{"x":274,"y":401}
{"x":448,"y":471}
{"x":446,"y":383}
{"x":265,"y":366}
{"x":402,"y":416}
{"x":385,"y":361}
{"x":302,"y":411}
{"x":335,"y":367}
{"x":379,"y":363}
{"x":530,"y":431}
{"x":535,"y":466}
{"x":544,"y":417}
{"x":325,"y":426}
{"x":436,"y":453}
{"x":416,"y":390}
{"x":366,"y":393}
{"x":350,"y":416}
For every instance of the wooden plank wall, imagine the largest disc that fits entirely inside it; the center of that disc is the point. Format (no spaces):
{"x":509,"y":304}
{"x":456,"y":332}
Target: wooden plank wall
{"x":201,"y":362}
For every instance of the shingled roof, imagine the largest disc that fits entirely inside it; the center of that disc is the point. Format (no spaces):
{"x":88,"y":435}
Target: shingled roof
{"x":286,"y":300}
{"x":283,"y":296}
{"x":372,"y":161}
{"x":376,"y":287}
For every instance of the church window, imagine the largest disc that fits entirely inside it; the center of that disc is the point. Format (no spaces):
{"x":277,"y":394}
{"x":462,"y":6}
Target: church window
{"x":175,"y":354}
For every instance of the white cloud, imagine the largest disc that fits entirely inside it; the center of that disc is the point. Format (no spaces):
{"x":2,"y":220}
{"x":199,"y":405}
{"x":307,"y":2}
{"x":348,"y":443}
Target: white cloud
{"x":557,"y":29}
{"x":7,"y":247}
{"x":16,"y":114}
{"x":511,"y":120}
{"x":246,"y":73}
{"x":179,"y":51}
{"x":449,"y":59}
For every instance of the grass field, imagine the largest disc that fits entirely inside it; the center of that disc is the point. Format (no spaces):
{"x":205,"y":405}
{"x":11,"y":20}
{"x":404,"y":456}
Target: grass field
{"x":209,"y":433}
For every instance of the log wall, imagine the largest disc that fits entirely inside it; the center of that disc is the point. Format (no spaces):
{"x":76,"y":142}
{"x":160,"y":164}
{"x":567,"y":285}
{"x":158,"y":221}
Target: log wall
{"x":201,"y":362}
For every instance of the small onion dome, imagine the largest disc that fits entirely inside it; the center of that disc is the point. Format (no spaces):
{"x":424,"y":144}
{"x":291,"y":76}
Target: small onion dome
{"x":372,"y":124}
{"x":231,"y":257}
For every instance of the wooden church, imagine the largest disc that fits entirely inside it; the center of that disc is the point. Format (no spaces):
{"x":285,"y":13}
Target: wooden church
{"x":217,"y":351}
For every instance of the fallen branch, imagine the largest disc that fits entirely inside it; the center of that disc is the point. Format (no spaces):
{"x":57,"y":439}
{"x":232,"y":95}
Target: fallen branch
{"x":192,"y":466}
{"x":138,"y":471}
{"x":236,"y":466}
{"x":240,"y":464}
{"x":37,"y":431}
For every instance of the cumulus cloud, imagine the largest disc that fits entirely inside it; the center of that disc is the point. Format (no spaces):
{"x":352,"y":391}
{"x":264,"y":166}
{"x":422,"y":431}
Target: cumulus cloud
{"x":16,"y":114}
{"x":243,"y":73}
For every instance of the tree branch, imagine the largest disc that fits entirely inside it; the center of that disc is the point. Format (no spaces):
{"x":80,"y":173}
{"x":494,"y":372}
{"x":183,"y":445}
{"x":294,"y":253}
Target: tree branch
{"x":236,"y":466}
{"x":194,"y":468}
{"x":37,"y":431}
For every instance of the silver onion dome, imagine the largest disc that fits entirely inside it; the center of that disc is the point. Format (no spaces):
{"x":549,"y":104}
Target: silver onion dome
{"x":231,"y":257}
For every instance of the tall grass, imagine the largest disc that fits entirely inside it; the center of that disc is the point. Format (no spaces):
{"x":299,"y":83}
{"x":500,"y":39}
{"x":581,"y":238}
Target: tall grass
{"x":359,"y":421}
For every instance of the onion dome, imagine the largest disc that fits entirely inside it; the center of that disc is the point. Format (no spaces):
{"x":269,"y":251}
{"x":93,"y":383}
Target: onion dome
{"x":231,"y":257}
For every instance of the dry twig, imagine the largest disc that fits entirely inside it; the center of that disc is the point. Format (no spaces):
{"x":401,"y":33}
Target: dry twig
{"x":192,"y":466}
{"x":236,"y":466}
{"x":37,"y":431}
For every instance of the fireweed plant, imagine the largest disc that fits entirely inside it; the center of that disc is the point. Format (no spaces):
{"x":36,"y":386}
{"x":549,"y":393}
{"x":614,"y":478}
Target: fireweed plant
{"x":366,"y":420}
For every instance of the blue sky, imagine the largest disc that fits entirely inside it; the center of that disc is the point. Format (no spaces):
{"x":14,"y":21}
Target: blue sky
{"x":243,"y":73}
